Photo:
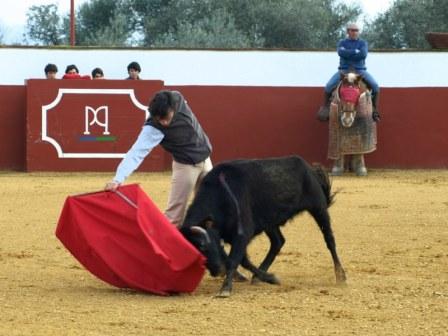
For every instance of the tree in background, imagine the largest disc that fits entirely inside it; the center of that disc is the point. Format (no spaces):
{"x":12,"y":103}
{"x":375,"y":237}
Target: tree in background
{"x":405,"y":23}
{"x":198,"y":24}
{"x":45,"y":26}
{"x":215,"y":31}
{"x":103,"y":23}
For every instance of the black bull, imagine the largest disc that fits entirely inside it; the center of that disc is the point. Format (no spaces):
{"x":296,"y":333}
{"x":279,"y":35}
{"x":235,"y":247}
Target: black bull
{"x":240,"y":199}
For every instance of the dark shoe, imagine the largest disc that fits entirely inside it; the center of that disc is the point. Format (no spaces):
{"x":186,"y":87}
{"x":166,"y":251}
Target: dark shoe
{"x":375,"y":113}
{"x":324,"y":112}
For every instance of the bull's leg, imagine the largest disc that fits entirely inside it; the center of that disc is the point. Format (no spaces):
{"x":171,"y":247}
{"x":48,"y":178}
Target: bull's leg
{"x":236,"y":255}
{"x":238,"y":277}
{"x":277,"y":241}
{"x":322,"y":218}
{"x":258,"y":273}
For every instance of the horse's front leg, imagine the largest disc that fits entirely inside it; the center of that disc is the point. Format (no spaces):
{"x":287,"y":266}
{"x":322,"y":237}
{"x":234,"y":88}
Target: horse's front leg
{"x":338,"y":166}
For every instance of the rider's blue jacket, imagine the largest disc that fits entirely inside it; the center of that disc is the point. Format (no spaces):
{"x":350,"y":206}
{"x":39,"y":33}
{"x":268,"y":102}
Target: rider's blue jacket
{"x":352,"y":54}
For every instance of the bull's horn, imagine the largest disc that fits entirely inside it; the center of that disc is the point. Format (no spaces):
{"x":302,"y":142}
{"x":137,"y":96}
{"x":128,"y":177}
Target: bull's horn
{"x":201,"y":231}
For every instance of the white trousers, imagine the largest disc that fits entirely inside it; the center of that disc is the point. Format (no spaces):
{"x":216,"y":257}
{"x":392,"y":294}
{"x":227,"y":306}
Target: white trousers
{"x":185,"y":179}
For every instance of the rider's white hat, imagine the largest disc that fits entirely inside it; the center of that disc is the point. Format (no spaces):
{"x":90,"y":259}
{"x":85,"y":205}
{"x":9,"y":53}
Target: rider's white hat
{"x":352,"y":26}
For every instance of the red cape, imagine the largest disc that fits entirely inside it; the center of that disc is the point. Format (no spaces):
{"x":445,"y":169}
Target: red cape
{"x":129,"y":247}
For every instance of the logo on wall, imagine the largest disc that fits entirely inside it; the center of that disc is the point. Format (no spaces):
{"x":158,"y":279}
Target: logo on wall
{"x":99,"y":117}
{"x":92,"y":123}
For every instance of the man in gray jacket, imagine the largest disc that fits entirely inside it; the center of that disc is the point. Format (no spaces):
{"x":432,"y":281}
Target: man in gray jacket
{"x":173,"y":125}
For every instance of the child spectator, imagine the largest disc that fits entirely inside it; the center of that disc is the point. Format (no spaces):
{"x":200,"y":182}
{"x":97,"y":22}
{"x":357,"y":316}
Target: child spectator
{"x":97,"y":73}
{"x":134,"y":71}
{"x":72,"y":72}
{"x":50,"y":71}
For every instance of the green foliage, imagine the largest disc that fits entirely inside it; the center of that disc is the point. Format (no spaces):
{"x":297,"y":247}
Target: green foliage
{"x":199,"y":23}
{"x":404,"y":25}
{"x":102,"y":22}
{"x":44,"y":25}
{"x":216,"y":31}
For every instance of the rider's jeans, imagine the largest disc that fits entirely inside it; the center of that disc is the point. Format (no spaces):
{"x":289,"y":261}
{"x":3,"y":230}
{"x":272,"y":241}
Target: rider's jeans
{"x":334,"y":80}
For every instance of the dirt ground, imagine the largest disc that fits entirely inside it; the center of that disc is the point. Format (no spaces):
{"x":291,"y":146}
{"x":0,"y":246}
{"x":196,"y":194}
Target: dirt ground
{"x":391,"y":230}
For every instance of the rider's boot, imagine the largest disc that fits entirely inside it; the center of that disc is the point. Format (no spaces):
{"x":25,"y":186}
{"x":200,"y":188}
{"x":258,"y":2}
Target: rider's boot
{"x":359,"y":165}
{"x":338,"y":167}
{"x":375,"y":113}
{"x":325,"y":108}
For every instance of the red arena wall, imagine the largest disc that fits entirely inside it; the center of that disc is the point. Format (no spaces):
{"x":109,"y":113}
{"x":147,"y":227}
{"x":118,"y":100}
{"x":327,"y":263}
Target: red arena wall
{"x":12,"y":127}
{"x":241,"y":121}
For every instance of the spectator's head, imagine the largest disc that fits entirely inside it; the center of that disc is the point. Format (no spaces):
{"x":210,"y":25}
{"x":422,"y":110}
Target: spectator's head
{"x":97,"y":73}
{"x":161,"y":108}
{"x":134,"y":70}
{"x":353,"y":31}
{"x":50,"y":71}
{"x":71,"y":69}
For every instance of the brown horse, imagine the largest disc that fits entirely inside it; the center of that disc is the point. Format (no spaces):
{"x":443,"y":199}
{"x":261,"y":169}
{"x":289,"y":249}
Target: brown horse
{"x":352,"y":130}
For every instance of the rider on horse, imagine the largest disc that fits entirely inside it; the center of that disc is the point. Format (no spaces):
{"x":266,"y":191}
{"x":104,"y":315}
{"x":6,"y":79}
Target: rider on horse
{"x":352,"y":52}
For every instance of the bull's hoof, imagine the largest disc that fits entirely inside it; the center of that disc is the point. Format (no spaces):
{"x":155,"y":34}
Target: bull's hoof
{"x":268,"y":277}
{"x":272,"y":279}
{"x":222,"y":294}
{"x":341,"y":278}
{"x":239,"y":277}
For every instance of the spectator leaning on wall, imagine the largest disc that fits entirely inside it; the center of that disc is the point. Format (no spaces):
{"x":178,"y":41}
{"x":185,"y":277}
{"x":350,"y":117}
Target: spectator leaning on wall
{"x":50,"y":71}
{"x":72,"y":72}
{"x":97,"y":73}
{"x":134,"y":70}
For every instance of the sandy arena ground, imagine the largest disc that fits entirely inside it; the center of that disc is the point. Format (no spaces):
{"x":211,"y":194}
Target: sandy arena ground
{"x":391,"y":229}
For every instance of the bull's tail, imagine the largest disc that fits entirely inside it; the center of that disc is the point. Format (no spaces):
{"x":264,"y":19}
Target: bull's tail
{"x":222,"y":180}
{"x":325,"y":183}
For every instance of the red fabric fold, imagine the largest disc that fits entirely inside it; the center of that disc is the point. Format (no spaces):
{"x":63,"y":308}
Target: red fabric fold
{"x":129,"y":247}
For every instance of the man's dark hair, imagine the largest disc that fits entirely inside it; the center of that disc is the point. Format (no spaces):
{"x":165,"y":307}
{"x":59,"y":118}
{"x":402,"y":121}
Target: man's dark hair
{"x":71,"y":67}
{"x":50,"y":68}
{"x":160,"y":104}
{"x":135,"y":66}
{"x":97,"y":71}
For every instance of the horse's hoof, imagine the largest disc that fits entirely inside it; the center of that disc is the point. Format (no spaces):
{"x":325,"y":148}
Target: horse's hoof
{"x":223,"y":294}
{"x":361,"y":171}
{"x":336,"y":171}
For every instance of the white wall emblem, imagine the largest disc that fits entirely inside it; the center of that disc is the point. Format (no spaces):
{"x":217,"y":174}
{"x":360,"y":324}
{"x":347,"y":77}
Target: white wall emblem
{"x":91,"y":118}
{"x":99,"y":116}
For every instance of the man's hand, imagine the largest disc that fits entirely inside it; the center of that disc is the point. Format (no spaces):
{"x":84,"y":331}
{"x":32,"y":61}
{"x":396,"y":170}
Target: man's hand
{"x":357,"y":51}
{"x":112,"y":186}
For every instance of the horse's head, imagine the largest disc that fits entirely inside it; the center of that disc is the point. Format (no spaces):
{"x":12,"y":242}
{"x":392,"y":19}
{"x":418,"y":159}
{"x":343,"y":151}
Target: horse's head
{"x":349,"y":92}
{"x":348,"y":114}
{"x":351,"y":78}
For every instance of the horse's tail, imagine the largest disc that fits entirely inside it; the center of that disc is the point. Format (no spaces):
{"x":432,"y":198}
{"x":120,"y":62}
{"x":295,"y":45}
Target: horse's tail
{"x":325,"y":183}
